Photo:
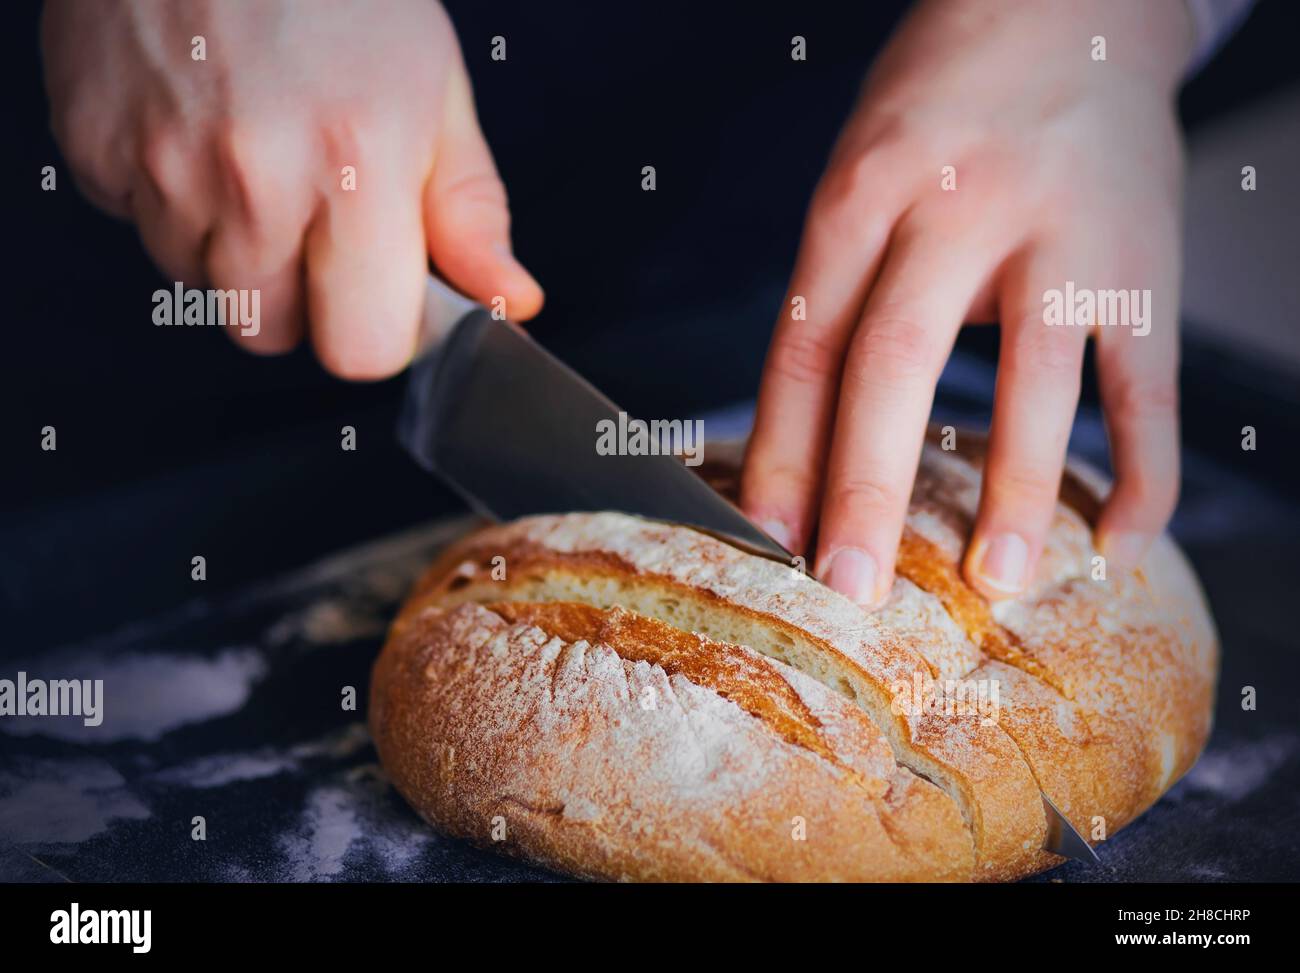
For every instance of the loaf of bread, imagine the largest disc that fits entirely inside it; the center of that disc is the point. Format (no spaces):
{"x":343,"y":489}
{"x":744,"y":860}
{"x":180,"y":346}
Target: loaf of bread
{"x":621,"y":699}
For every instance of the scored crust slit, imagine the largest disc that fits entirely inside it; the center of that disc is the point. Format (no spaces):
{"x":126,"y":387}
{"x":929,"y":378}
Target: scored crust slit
{"x":520,"y":700}
{"x":540,"y":723}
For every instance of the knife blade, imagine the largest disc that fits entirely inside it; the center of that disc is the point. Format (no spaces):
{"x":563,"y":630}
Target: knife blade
{"x":514,"y":430}
{"x":1062,"y":838}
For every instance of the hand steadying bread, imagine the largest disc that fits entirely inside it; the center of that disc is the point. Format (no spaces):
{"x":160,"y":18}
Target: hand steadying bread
{"x":639,"y":701}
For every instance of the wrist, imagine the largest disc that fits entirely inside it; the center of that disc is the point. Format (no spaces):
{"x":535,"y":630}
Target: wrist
{"x":1151,"y":39}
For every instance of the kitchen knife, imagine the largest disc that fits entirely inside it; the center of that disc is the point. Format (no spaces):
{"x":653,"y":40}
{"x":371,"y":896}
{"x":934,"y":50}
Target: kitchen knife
{"x":1063,"y":839}
{"x":513,"y":430}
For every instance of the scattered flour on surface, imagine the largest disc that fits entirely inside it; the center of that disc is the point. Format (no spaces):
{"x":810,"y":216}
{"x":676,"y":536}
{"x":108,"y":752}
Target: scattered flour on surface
{"x":217,"y":770}
{"x":1237,"y":770}
{"x":351,"y":816}
{"x":56,"y":801}
{"x":226,"y":768}
{"x":331,"y":621}
{"x":327,"y":829}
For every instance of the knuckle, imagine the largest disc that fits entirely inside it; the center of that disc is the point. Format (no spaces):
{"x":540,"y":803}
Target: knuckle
{"x":892,"y":347}
{"x":1023,"y":484}
{"x":71,"y":119}
{"x":804,"y":356}
{"x":244,"y":167}
{"x":847,"y":183}
{"x":1036,"y":347}
{"x":864,"y":496}
{"x":1144,"y":398}
{"x":890,"y":131}
{"x":480,"y":189}
{"x":346,"y":139}
{"x":83,"y":147}
{"x":846,"y":199}
{"x":872,"y":148}
{"x":1151,"y":492}
{"x":163,"y":161}
{"x":769,"y":485}
{"x":73,"y":140}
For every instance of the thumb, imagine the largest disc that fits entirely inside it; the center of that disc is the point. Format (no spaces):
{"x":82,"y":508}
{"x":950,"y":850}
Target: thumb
{"x":466,"y":216}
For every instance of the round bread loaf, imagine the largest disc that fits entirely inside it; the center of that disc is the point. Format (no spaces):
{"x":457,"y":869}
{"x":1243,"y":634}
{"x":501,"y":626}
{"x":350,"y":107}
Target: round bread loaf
{"x":622,"y":699}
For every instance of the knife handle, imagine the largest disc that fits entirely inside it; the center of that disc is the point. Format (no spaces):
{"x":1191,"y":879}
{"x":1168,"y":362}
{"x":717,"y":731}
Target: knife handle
{"x":443,"y":307}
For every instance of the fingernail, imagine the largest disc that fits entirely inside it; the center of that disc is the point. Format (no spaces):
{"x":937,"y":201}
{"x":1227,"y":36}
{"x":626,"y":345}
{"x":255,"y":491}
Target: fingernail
{"x":852,"y":572}
{"x":1126,"y":548}
{"x":780,"y":532}
{"x":1002,"y":562}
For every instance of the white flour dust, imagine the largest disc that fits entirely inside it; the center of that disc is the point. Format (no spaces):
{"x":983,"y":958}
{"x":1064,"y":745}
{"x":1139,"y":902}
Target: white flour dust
{"x":55,"y":801}
{"x":219,"y":769}
{"x":1235,"y":771}
{"x":331,"y":621}
{"x":349,"y":816}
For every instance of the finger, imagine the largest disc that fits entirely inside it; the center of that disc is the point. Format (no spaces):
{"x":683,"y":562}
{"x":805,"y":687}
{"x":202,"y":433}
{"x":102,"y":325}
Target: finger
{"x":890,"y":372}
{"x":848,"y":226}
{"x":366,"y":268}
{"x":174,"y":240}
{"x":115,"y":204}
{"x":257,"y":245}
{"x":98,"y":150}
{"x":1039,"y":374}
{"x":278,"y":320}
{"x":1138,"y":376}
{"x":467,"y":218}
{"x":170,"y":208}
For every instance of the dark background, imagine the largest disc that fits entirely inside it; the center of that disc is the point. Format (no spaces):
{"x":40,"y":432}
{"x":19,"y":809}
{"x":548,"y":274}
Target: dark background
{"x":172,"y":443}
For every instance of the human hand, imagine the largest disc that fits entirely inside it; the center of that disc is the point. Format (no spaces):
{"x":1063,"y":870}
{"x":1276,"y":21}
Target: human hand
{"x":1067,"y":169}
{"x":233,"y":167}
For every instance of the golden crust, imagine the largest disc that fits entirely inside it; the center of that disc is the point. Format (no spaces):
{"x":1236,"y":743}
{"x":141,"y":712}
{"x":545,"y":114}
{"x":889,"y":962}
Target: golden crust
{"x":597,"y":742}
{"x":785,"y":748}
